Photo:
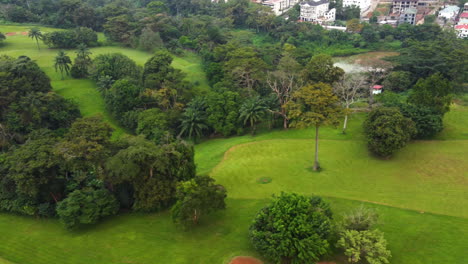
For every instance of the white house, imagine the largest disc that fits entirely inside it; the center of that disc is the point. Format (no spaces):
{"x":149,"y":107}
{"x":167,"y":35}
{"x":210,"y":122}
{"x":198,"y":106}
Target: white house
{"x":450,"y":12}
{"x":362,"y":4}
{"x":462,"y":31}
{"x":377,"y":89}
{"x":280,"y":6}
{"x":317,"y":11}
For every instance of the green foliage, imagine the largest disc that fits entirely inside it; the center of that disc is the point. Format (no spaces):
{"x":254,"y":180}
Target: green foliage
{"x":70,"y":38}
{"x":292,"y":229}
{"x":114,"y":65}
{"x":398,"y":81}
{"x":122,"y":97}
{"x":433,"y":92}
{"x":120,"y":29}
{"x":320,"y":69}
{"x":35,"y":33}
{"x":194,"y":119}
{"x":153,"y":124}
{"x":428,"y":122}
{"x":62,"y":63}
{"x":367,"y":246}
{"x":314,"y":105}
{"x":387,"y":130}
{"x":195,"y":198}
{"x":2,"y":37}
{"x":252,"y":111}
{"x":150,"y":40}
{"x":83,"y":207}
{"x":82,"y":62}
{"x":223,"y":112}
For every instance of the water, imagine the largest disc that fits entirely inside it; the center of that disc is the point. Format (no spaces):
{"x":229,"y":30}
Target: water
{"x":364,"y":61}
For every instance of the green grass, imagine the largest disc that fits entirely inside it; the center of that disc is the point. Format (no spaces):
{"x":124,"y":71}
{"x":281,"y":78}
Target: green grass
{"x":420,"y":194}
{"x":83,"y":91}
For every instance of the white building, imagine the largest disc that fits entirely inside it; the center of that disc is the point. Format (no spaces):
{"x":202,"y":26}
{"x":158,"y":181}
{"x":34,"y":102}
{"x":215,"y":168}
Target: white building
{"x":450,"y":12}
{"x":280,"y":6}
{"x":317,"y":11}
{"x":362,"y":4}
{"x":462,"y":31}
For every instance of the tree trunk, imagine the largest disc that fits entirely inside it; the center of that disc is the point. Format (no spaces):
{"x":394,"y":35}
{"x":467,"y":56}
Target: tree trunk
{"x":37,"y":41}
{"x":345,"y":123}
{"x":285,"y":119}
{"x":316,"y":163}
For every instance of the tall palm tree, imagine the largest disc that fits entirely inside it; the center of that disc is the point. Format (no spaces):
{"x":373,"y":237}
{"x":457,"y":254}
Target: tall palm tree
{"x":82,"y":51}
{"x":62,"y":63}
{"x":35,"y":33}
{"x":193,"y":122}
{"x":252,"y":111}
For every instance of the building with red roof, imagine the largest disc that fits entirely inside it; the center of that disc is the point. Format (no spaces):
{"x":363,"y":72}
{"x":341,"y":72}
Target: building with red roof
{"x":462,"y":31}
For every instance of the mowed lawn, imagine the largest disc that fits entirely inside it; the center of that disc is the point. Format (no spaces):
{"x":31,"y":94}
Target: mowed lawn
{"x":84,"y":91}
{"x":421,"y":194}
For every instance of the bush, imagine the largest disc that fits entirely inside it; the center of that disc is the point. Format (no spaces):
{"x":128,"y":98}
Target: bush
{"x":195,"y":198}
{"x":86,"y":207}
{"x":360,"y":219}
{"x":69,"y":39}
{"x":292,"y":229}
{"x":428,"y":122}
{"x":367,"y":246}
{"x":387,"y":130}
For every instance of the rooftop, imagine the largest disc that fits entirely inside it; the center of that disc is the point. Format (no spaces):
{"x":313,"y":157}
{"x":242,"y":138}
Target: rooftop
{"x":461,"y":27}
{"x":377,"y":87}
{"x":314,"y":2}
{"x":450,"y":9}
{"x":411,"y":11}
{"x":464,"y":15}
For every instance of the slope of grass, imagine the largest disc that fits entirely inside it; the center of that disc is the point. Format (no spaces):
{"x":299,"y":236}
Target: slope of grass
{"x":84,"y":91}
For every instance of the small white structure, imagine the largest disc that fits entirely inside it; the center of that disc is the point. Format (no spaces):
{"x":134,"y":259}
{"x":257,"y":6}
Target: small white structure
{"x":450,"y":12}
{"x":462,"y":31}
{"x":280,"y":6}
{"x":377,"y":89}
{"x":362,"y":4}
{"x":317,"y":11}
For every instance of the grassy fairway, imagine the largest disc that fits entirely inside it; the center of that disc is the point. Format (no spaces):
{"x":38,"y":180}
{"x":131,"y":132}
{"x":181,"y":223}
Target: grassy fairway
{"x":84,"y":91}
{"x":420,"y":194}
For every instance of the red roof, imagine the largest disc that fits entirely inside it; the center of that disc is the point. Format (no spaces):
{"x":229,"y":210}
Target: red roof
{"x":461,"y":27}
{"x":464,"y":15}
{"x":377,"y":87}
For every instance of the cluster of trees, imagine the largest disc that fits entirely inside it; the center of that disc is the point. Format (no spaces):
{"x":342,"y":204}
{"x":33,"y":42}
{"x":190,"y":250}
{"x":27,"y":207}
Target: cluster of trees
{"x":54,"y":163}
{"x":300,"y":229}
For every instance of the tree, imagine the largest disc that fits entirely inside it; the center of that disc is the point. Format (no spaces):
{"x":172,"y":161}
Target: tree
{"x":122,"y":97}
{"x":433,"y":92}
{"x":86,"y":207}
{"x":223,"y":111}
{"x":62,"y":63}
{"x":354,"y":25}
{"x":292,"y":229}
{"x":427,"y":121}
{"x":252,"y":111}
{"x":86,"y":144}
{"x":283,"y":82}
{"x":320,"y":69}
{"x":35,"y":33}
{"x":114,"y":65}
{"x":153,"y":124}
{"x":2,"y":37}
{"x":82,"y":62}
{"x":197,"y":197}
{"x":387,"y":130}
{"x":398,"y":81}
{"x":194,"y":119}
{"x":367,"y":246}
{"x":314,"y":105}
{"x":349,"y":89}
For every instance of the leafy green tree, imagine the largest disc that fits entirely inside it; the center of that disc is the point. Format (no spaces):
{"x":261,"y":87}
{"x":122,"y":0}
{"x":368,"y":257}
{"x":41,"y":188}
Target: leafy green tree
{"x":252,"y":111}
{"x":427,"y":121}
{"x":223,"y":112}
{"x":150,"y":40}
{"x":114,"y":65}
{"x":292,"y":229}
{"x":314,"y":105}
{"x":398,"y":81}
{"x":195,"y":198}
{"x":153,"y":124}
{"x":367,"y":246}
{"x":387,"y":130}
{"x":86,"y":144}
{"x":120,"y":29}
{"x":433,"y":92}
{"x":122,"y":97}
{"x":35,"y":33}
{"x":62,"y":63}
{"x":2,"y":37}
{"x":86,"y":206}
{"x":320,"y":69}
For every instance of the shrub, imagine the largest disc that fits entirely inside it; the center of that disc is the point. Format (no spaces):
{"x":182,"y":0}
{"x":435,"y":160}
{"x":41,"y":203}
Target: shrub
{"x":360,"y":219}
{"x":367,"y":246}
{"x":86,"y":207}
{"x":427,"y":121}
{"x":292,"y":229}
{"x":387,"y":130}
